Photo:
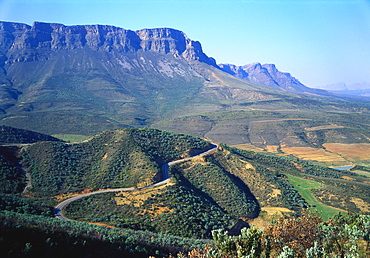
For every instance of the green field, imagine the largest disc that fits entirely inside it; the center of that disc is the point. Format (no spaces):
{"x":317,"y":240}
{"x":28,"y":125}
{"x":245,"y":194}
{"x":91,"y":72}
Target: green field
{"x":71,"y":137}
{"x":304,"y":186}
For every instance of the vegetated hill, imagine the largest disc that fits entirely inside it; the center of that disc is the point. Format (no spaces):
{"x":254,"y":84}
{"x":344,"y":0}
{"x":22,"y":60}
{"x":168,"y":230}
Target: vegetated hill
{"x":12,"y":178}
{"x":11,"y":173}
{"x":133,"y":158}
{"x":113,"y":158}
{"x":28,"y":234}
{"x":83,"y":79}
{"x":10,"y":135}
{"x":218,"y":189}
{"x":227,"y":185}
{"x":205,"y":193}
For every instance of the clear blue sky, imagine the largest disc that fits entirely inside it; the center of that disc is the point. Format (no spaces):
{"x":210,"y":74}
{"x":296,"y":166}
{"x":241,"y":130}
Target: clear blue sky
{"x":318,"y":41}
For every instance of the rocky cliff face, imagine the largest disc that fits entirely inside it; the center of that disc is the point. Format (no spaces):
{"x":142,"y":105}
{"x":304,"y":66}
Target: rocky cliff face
{"x":268,"y":75}
{"x":20,"y":42}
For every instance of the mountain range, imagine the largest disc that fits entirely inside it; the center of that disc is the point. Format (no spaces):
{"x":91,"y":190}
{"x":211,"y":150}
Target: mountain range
{"x":113,"y":89}
{"x":22,"y":43}
{"x":356,"y":89}
{"x":82,"y":79}
{"x":268,"y":75}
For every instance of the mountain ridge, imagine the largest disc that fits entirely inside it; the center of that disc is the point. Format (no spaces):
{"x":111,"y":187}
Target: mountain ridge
{"x":82,"y":79}
{"x":29,"y":43}
{"x":268,"y":75}
{"x":56,"y":36}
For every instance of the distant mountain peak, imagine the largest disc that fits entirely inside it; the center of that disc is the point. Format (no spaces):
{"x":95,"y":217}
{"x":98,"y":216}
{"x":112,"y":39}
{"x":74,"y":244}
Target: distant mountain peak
{"x":268,"y":75}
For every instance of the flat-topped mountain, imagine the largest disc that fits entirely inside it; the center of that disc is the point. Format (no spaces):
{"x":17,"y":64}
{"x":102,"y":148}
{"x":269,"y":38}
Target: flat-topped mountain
{"x":21,"y":42}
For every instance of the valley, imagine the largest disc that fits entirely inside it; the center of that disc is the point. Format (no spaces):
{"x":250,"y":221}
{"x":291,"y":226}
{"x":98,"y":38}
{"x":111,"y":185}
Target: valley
{"x":165,"y":151}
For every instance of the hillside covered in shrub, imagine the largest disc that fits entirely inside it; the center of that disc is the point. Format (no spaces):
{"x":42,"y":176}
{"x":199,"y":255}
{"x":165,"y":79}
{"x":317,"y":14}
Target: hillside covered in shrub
{"x":222,"y":191}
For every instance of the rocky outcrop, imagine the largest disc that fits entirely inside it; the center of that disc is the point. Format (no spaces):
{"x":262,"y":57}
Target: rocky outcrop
{"x":20,"y":42}
{"x":268,"y":75}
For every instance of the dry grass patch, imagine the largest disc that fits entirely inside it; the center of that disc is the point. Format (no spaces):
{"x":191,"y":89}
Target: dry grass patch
{"x":200,"y":160}
{"x":65,"y":196}
{"x":275,"y":193}
{"x":314,"y":154}
{"x":272,"y":148}
{"x":298,"y":166}
{"x":154,"y":211}
{"x":251,"y":147}
{"x":348,"y":178}
{"x":323,"y":127}
{"x":362,"y":172}
{"x":248,"y":165}
{"x":361,"y":204}
{"x":354,"y":152}
{"x":281,"y":119}
{"x":248,"y":146}
{"x":267,"y":215}
{"x":137,"y":197}
{"x":101,"y":224}
{"x":273,"y":210}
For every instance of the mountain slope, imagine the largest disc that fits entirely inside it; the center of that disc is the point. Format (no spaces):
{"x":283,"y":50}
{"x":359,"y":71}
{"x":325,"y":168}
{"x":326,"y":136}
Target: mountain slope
{"x":120,"y":158}
{"x":116,"y":76}
{"x":60,"y":79}
{"x":10,"y":135}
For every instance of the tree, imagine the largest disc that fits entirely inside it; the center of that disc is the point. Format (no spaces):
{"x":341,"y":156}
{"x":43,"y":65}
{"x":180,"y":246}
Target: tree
{"x":298,"y":234}
{"x":342,"y":235}
{"x":249,"y":244}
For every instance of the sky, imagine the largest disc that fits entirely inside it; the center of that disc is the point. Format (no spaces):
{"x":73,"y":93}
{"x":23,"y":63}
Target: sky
{"x":319,"y":42}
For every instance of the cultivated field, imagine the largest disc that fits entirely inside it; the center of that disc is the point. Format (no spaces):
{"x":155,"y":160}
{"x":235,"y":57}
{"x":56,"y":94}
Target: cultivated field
{"x":356,"y":152}
{"x":333,"y":154}
{"x":330,"y":158}
{"x":304,"y":186}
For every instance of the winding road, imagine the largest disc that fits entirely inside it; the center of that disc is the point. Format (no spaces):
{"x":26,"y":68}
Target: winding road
{"x":58,"y":209}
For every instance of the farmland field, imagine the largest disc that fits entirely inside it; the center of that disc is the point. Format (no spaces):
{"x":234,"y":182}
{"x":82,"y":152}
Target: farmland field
{"x":304,"y":186}
{"x":318,"y":155}
{"x":71,"y":137}
{"x":332,"y":155}
{"x":356,"y":152}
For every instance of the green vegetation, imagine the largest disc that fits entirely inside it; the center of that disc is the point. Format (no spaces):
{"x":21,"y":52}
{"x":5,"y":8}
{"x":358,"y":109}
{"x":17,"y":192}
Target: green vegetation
{"x":24,"y":205}
{"x":195,"y":99}
{"x":345,"y":235}
{"x":71,"y":137}
{"x":35,"y":235}
{"x":111,"y":159}
{"x":218,"y":185}
{"x":14,"y":135}
{"x":63,"y":122}
{"x":86,"y":92}
{"x":213,"y":182}
{"x":260,"y":125}
{"x":12,"y":178}
{"x":177,"y":210}
{"x":304,"y":186}
{"x":208,"y":193}
{"x":337,"y":187}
